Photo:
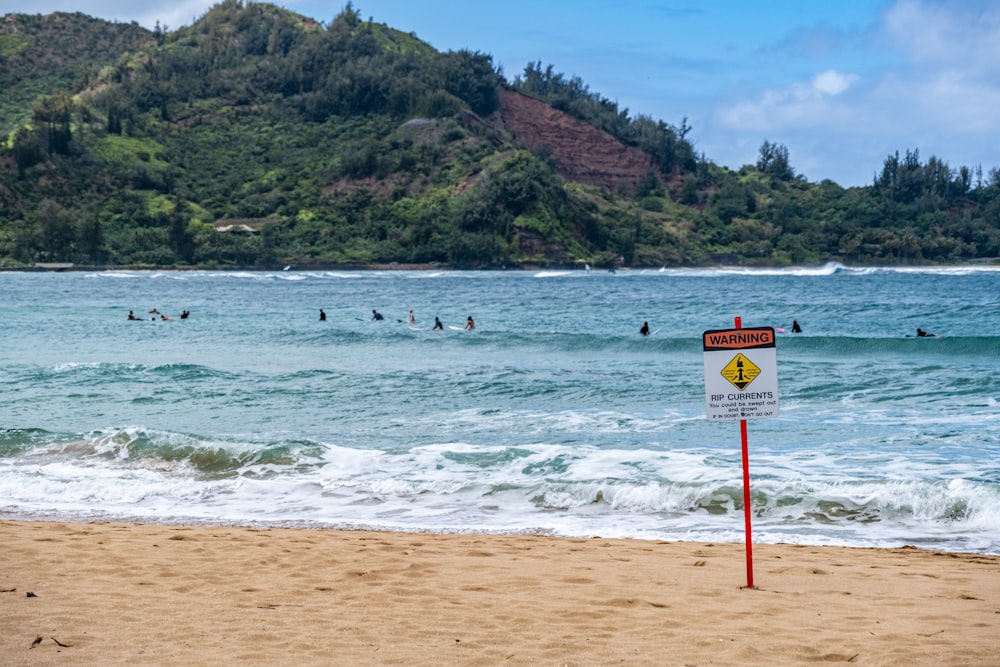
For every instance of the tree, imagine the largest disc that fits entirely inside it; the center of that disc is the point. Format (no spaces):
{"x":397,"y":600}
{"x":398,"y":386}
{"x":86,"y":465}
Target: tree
{"x":27,"y":149}
{"x":181,"y":240}
{"x":471,"y":78}
{"x":773,"y":161}
{"x":57,"y":231}
{"x":90,"y":238}
{"x":55,"y":113}
{"x":160,"y":33}
{"x":348,"y":19}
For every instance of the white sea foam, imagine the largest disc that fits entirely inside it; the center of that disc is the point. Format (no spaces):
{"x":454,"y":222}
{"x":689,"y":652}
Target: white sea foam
{"x":116,"y":275}
{"x":73,"y":365}
{"x":340,"y":275}
{"x":827,"y":269}
{"x":946,"y":270}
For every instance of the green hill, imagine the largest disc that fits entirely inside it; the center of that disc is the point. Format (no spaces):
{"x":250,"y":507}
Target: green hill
{"x":43,"y":55}
{"x":259,"y":137}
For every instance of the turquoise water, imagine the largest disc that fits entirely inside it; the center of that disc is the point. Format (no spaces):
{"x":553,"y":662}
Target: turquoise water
{"x":553,"y":416}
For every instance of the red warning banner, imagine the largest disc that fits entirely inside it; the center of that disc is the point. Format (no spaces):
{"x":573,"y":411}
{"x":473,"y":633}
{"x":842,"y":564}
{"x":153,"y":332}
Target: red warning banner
{"x":738,"y":339}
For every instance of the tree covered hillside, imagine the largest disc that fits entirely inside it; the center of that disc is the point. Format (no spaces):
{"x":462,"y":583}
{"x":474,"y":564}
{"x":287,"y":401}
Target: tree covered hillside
{"x":43,"y":55}
{"x":259,"y":137}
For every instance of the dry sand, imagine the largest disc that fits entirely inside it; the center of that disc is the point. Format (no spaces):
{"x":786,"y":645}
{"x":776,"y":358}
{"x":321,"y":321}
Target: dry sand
{"x":106,"y":594}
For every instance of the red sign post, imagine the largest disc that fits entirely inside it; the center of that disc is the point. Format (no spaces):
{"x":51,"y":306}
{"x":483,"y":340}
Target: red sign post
{"x":738,"y":323}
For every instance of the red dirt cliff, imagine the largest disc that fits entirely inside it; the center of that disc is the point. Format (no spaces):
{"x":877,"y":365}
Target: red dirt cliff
{"x":580,"y":152}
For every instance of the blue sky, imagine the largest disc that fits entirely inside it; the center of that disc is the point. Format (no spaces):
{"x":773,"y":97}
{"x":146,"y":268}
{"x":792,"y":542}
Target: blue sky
{"x":841,"y":84}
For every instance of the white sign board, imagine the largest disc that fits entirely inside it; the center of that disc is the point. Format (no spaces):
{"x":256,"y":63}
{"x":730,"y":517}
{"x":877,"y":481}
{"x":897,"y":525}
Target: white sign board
{"x":741,"y":373}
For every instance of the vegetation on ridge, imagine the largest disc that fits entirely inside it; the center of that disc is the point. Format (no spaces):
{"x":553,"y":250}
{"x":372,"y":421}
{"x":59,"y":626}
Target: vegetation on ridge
{"x":259,"y":137}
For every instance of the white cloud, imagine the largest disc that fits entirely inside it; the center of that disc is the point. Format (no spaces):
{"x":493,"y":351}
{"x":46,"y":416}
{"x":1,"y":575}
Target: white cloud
{"x":798,"y":105}
{"x":146,"y":14}
{"x":947,"y":35}
{"x":175,"y":14}
{"x":938,"y":93}
{"x":949,"y":83}
{"x":832,"y":82}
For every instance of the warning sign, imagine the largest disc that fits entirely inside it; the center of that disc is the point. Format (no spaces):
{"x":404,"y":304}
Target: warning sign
{"x":740,"y":371}
{"x":743,"y":385}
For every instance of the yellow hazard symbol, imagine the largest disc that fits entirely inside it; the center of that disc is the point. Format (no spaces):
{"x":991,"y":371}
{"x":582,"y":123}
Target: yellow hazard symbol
{"x":740,"y":372}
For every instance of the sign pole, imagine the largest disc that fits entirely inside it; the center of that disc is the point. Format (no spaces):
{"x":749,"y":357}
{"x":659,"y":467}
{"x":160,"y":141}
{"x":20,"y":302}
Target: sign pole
{"x":746,"y":501}
{"x":738,"y":324}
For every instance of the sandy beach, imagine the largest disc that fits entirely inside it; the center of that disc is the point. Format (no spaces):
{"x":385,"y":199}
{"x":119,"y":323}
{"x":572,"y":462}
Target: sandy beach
{"x":107,"y":594}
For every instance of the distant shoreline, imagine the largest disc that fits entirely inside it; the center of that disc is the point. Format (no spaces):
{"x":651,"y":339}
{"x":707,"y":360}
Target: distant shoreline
{"x":67,"y":268}
{"x":395,"y":266}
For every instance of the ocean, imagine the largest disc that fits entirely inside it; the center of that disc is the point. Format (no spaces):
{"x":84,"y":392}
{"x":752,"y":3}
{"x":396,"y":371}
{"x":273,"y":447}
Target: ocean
{"x":554,"y":416}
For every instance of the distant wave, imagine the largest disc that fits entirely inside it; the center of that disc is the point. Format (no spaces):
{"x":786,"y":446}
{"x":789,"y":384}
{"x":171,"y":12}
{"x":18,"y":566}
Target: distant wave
{"x":98,"y":372}
{"x":13,"y":441}
{"x":828,"y":269}
{"x":831,"y":346}
{"x":947,"y":270}
{"x":902,"y":345}
{"x":133,"y":446}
